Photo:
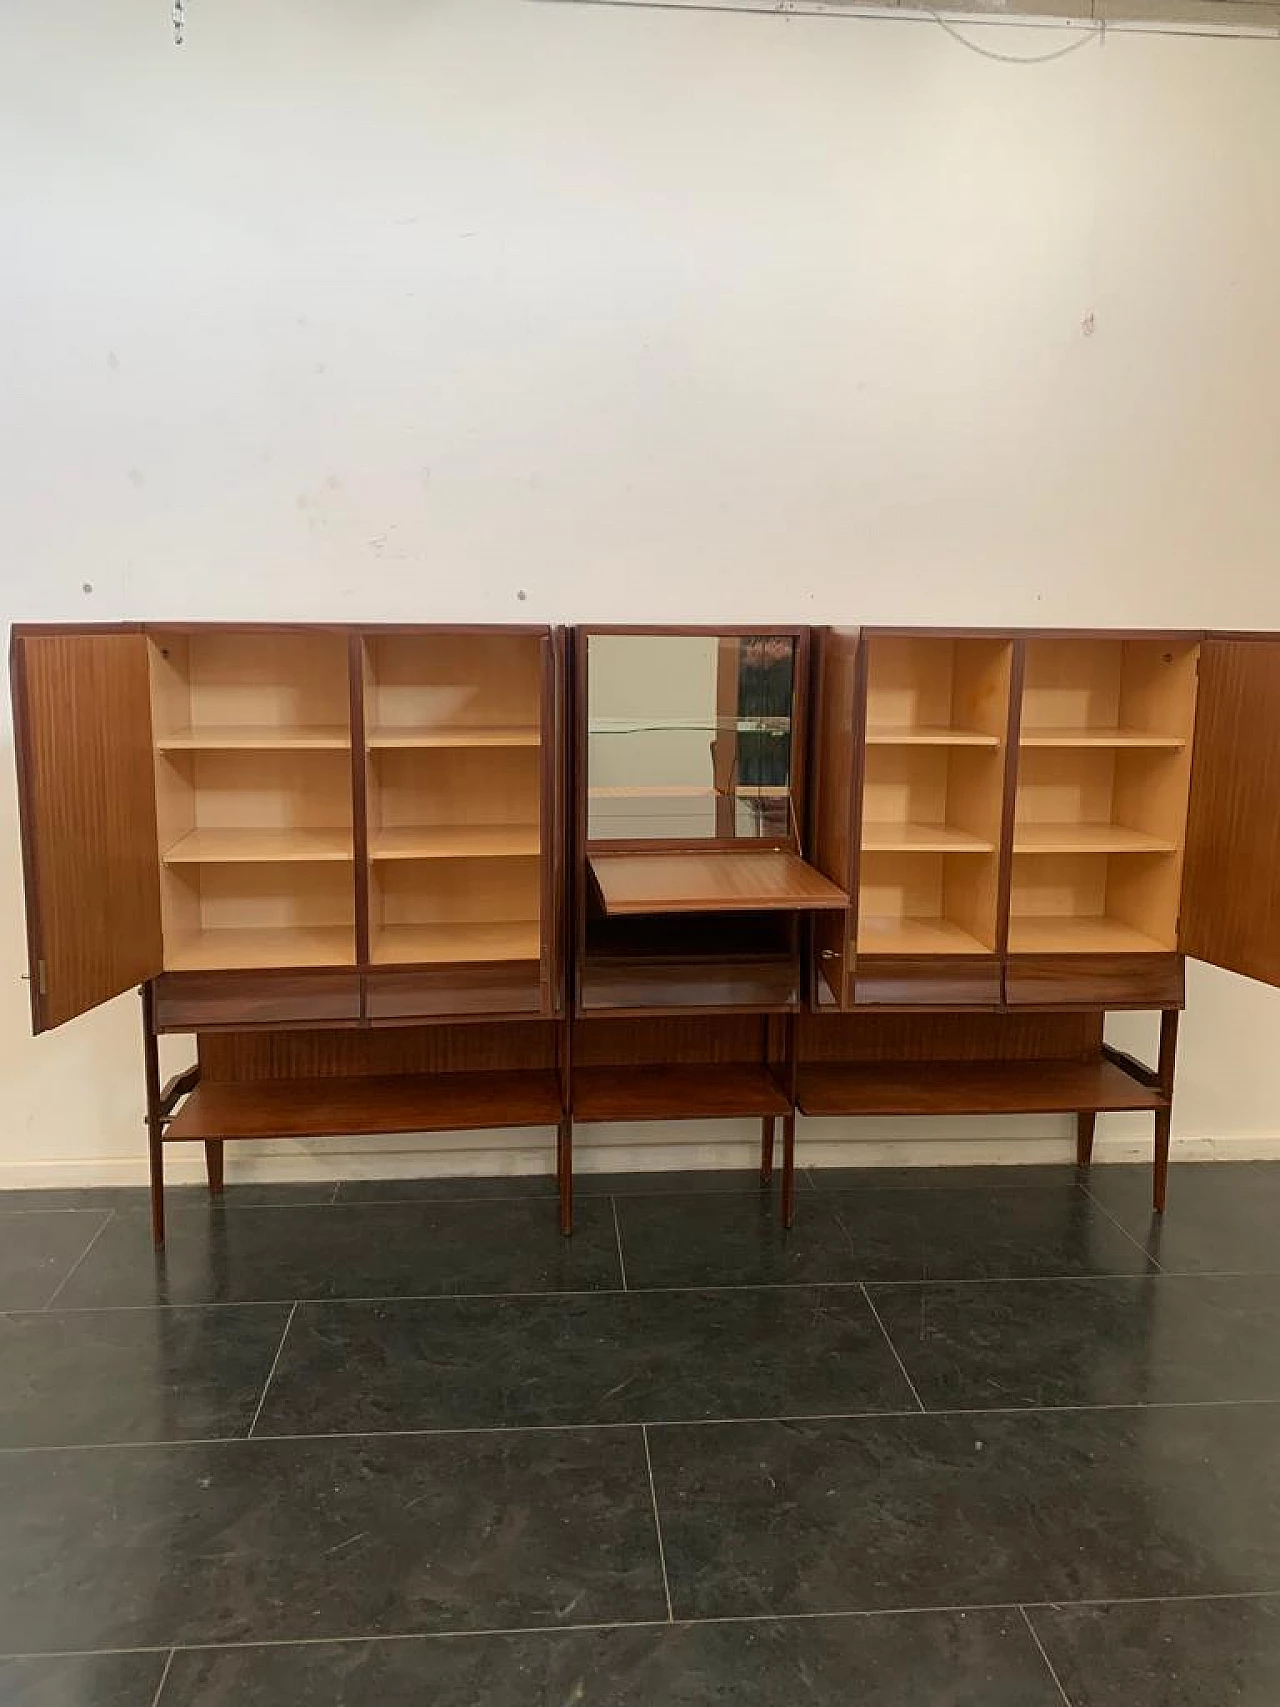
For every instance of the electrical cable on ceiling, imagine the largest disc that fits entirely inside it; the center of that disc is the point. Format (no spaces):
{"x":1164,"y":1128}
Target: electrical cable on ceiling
{"x":1091,"y":32}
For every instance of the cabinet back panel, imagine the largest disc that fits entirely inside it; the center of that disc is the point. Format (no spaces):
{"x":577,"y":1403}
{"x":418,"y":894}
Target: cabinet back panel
{"x":1059,"y":886}
{"x":431,"y":680}
{"x":1072,"y":684}
{"x":254,"y":790}
{"x":948,"y":1037}
{"x":238,"y":1056}
{"x":1065,"y":787}
{"x":266,"y":897}
{"x":454,"y":891}
{"x":454,"y":786}
{"x":699,"y":1039}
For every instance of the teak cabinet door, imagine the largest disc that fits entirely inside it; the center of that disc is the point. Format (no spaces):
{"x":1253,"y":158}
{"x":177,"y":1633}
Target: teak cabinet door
{"x":1231,"y":884}
{"x":86,"y":793}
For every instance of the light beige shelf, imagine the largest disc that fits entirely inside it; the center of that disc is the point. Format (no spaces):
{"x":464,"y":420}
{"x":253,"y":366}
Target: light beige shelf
{"x":454,"y":735}
{"x":1085,"y":838}
{"x":283,"y":945}
{"x":455,"y":841}
{"x":258,"y":738}
{"x":504,"y":939}
{"x":1067,"y":737}
{"x":1065,"y":935}
{"x":921,"y":838}
{"x":927,"y":735}
{"x":236,"y":847}
{"x":916,"y":936}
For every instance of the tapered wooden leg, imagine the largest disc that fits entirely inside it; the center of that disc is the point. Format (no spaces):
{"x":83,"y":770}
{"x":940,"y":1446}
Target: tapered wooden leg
{"x":1160,"y":1177}
{"x":155,"y":1120}
{"x":1085,"y":1124}
{"x":766,"y":1150}
{"x":564,"y":1173}
{"x":788,"y":1169}
{"x":213,"y":1148}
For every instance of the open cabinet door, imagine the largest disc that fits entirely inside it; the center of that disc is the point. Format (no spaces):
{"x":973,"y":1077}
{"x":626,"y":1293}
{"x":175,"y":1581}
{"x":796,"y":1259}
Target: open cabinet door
{"x":86,"y":795}
{"x":1231,"y":882}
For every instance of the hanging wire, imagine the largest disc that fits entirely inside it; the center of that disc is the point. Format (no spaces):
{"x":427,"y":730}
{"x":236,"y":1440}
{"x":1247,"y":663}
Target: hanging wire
{"x":1091,"y":31}
{"x":179,"y":21}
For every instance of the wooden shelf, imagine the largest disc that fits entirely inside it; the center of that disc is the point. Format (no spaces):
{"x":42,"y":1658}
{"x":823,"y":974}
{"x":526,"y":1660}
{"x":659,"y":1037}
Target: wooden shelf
{"x":1069,"y":737}
{"x":921,"y":838}
{"x":926,"y":735}
{"x":236,"y":847}
{"x":917,"y":936}
{"x":256,"y":738}
{"x":456,"y":841}
{"x":454,"y":735}
{"x":317,"y":1108}
{"x":971,"y":1087}
{"x":724,"y":1091}
{"x":413,"y":945}
{"x":723,"y":881}
{"x":1085,"y":838}
{"x":284,"y":946}
{"x":1065,"y":935}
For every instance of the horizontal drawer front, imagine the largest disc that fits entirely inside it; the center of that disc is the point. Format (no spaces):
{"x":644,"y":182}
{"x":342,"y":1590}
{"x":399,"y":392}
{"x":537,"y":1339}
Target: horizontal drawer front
{"x":427,"y":992}
{"x":187,"y":1001}
{"x":1095,"y":980}
{"x":939,"y":981}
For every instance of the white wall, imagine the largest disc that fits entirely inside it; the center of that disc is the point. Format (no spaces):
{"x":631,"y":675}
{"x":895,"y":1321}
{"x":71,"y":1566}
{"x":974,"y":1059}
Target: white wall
{"x":502,"y":309}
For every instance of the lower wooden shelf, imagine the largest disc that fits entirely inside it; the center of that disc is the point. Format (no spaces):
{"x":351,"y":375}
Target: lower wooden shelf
{"x":972,"y":1087}
{"x":318,"y":1108}
{"x":719,"y":1092}
{"x":465,"y":940}
{"x":262,"y":947}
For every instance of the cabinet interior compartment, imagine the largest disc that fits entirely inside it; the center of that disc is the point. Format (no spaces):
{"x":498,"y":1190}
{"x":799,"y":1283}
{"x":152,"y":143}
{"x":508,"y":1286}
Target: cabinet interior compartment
{"x":450,"y":688}
{"x":1094,"y":903}
{"x":1103,"y":780}
{"x":928,"y":903}
{"x":937,"y":689}
{"x":461,"y":909}
{"x":454,"y":839}
{"x":240,"y":689}
{"x":1080,"y":692}
{"x":240,"y":914}
{"x":690,"y":960}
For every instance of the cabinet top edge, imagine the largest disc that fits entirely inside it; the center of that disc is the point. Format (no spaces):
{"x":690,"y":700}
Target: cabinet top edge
{"x":23,"y":630}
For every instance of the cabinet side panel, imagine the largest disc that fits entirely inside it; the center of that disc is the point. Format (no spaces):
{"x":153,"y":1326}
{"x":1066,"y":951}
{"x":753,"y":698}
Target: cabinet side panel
{"x":1231,"y":888}
{"x":82,"y":720}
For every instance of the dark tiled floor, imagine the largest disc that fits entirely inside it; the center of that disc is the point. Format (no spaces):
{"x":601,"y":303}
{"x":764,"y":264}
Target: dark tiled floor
{"x":958,"y":1438}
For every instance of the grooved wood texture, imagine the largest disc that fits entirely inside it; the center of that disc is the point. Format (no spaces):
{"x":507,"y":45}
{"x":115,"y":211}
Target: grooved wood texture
{"x":393,"y":1051}
{"x":82,"y":720}
{"x":948,"y":1037}
{"x":1231,"y":887}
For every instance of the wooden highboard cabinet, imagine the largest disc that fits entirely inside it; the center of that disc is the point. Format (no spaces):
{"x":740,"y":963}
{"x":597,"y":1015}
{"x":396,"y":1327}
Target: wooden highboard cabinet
{"x":402,"y":878}
{"x":1034,"y":828}
{"x":334,"y":853}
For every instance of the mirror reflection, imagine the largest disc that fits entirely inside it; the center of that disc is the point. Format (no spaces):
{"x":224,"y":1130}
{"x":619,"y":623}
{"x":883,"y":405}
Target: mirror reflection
{"x":689,"y":736}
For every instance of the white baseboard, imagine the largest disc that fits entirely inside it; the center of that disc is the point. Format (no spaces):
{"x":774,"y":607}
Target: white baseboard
{"x":497,"y":1155}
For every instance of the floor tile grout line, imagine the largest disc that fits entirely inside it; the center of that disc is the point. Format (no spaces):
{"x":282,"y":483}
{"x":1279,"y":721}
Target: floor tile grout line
{"x":938,"y":1281}
{"x":1040,"y":1648}
{"x":1120,"y":1228}
{"x":657,"y":1523}
{"x":450,"y":1431}
{"x":617,"y":1233}
{"x":380,"y":1637}
{"x":75,"y":1267}
{"x":164,"y":1678}
{"x":275,"y":1364}
{"x":893,"y":1348}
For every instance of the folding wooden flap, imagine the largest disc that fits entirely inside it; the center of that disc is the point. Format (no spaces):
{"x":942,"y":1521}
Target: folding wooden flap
{"x":86,"y":792}
{"x":1231,"y":882}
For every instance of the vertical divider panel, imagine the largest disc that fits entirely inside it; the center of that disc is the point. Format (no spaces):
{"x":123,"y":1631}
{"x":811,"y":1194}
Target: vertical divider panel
{"x":1017,"y":677}
{"x":359,"y":794}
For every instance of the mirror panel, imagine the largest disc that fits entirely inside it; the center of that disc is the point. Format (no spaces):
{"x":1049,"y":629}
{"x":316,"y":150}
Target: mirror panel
{"x":689,"y":737}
